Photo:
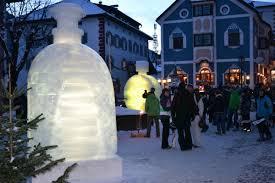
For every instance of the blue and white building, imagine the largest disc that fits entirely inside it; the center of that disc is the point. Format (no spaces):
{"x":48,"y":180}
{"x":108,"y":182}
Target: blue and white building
{"x":211,"y":42}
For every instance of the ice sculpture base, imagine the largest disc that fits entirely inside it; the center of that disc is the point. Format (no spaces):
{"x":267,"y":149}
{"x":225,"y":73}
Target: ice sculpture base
{"x":95,"y":171}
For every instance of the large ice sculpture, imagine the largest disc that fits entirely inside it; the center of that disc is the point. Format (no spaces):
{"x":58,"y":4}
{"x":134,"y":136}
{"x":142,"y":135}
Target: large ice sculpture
{"x":71,"y":85}
{"x":136,"y":85}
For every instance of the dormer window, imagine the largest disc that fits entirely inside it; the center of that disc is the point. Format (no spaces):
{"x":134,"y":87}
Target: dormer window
{"x":177,"y":40}
{"x":203,"y":10}
{"x":233,"y":36}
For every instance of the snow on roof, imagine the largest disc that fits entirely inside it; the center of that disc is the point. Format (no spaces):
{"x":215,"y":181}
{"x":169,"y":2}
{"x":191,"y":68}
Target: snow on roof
{"x":259,"y":3}
{"x":88,"y":7}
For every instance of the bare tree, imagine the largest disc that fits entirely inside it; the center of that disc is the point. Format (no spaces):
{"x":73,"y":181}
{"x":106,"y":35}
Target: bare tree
{"x":21,"y":30}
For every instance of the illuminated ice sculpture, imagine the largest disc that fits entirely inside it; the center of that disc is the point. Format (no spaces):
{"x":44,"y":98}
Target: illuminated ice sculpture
{"x":136,"y":85}
{"x":72,"y":86}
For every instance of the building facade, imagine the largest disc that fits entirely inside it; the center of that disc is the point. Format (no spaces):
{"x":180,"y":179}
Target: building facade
{"x":114,"y":35}
{"x":210,"y":42}
{"x":267,"y":12}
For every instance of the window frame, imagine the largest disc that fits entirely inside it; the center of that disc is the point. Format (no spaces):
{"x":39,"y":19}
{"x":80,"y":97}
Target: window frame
{"x":230,"y":39}
{"x":202,"y":11}
{"x":130,"y":46}
{"x":180,"y":39}
{"x":177,"y":34}
{"x":204,"y":44}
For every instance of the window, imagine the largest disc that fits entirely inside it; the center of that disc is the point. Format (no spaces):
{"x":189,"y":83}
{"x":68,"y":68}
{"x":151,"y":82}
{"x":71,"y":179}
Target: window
{"x":177,"y":40}
{"x":202,"y":10}
{"x":130,"y":46}
{"x":263,"y":43}
{"x":136,"y":48}
{"x":232,"y":75}
{"x":234,"y":39}
{"x":203,"y":40}
{"x":224,"y":10}
{"x":116,"y":41}
{"x":113,"y":41}
{"x":233,"y":36}
{"x":205,"y":77}
{"x":124,"y":44}
{"x":184,"y":13}
{"x":108,"y":38}
{"x":140,"y":50}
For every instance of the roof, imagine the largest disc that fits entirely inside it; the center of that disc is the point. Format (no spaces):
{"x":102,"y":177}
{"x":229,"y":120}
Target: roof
{"x":13,"y":1}
{"x":92,"y":9}
{"x":88,"y":8}
{"x":118,"y":14}
{"x":166,"y":10}
{"x":244,"y":2}
{"x":260,"y":4}
{"x":265,"y":5}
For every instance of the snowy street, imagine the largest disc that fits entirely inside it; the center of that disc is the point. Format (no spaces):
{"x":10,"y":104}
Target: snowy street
{"x":234,"y":158}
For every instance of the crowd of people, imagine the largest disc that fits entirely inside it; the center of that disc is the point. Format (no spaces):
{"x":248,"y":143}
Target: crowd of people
{"x":189,"y":112}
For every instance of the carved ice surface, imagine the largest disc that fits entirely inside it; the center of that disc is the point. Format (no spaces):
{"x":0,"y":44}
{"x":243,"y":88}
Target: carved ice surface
{"x":136,"y":85}
{"x":72,"y":86}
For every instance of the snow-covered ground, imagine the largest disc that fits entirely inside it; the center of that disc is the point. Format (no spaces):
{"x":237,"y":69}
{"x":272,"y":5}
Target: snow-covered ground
{"x":233,"y":158}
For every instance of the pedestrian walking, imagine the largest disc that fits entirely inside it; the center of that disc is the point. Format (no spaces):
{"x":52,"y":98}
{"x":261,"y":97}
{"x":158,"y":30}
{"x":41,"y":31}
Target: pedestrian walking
{"x":234,"y":104}
{"x":211,"y":100}
{"x":183,"y":112}
{"x":219,"y":108}
{"x":264,"y":111}
{"x":195,"y":127}
{"x":152,"y":108}
{"x":245,"y":107}
{"x":165,"y":101}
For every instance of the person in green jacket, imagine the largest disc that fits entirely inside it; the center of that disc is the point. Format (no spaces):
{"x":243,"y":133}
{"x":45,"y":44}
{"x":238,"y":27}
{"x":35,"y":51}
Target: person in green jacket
{"x":152,"y":108}
{"x":234,"y":104}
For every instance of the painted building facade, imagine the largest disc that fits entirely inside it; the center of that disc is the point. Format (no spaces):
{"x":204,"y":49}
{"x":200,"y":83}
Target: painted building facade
{"x":267,"y":12}
{"x":209,"y":42}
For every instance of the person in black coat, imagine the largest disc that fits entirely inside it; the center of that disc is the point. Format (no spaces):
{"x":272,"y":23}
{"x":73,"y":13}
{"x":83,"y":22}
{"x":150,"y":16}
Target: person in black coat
{"x":245,"y":109}
{"x":165,"y":101}
{"x":211,"y":101}
{"x":218,"y":107}
{"x":183,"y":112}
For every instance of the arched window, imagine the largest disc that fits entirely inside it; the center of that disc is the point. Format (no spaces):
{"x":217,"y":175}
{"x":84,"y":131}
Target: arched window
{"x":141,"y":50}
{"x":205,"y":77}
{"x":130,"y":46}
{"x":117,"y":40}
{"x":233,"y":36}
{"x":177,"y":40}
{"x":177,"y":75}
{"x":108,"y":38}
{"x":124,"y":43}
{"x":234,"y":75}
{"x":136,"y":48}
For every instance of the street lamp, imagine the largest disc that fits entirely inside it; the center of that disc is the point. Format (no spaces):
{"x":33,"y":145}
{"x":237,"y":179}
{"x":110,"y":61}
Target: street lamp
{"x":242,"y":60}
